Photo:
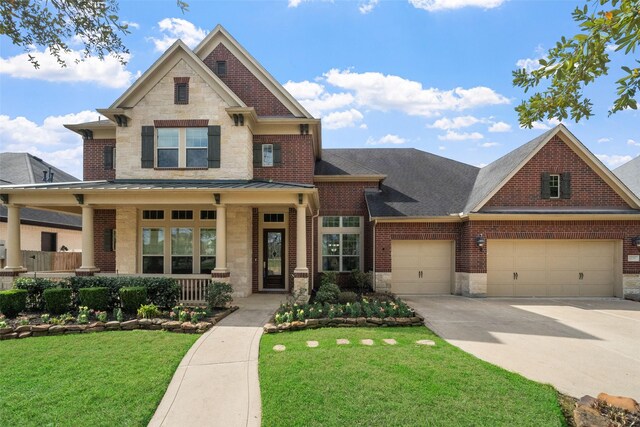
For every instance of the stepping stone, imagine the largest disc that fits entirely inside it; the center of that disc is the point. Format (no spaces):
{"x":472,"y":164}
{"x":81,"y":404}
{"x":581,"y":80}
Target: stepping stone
{"x":342,"y":341}
{"x":366,"y":342}
{"x":425,"y":342}
{"x":312,"y":344}
{"x":390,"y":341}
{"x":279,"y":347}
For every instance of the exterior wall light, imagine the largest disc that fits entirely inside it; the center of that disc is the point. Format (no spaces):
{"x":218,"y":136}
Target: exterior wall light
{"x":480,"y":241}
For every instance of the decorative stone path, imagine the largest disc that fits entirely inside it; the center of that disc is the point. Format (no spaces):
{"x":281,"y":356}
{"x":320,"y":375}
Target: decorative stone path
{"x":342,"y":341}
{"x":425,"y":342}
{"x":279,"y":347}
{"x":390,"y":341}
{"x":366,"y":342}
{"x":312,"y":344}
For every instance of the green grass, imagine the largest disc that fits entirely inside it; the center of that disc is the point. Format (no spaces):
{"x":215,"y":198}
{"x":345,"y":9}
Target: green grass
{"x":104,"y":379}
{"x":401,"y":385}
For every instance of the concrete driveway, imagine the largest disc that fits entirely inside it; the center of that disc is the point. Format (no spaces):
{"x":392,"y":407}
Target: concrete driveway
{"x":580,"y":346}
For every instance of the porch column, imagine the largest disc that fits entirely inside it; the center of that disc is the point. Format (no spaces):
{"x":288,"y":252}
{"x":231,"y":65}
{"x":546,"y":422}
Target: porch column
{"x":221,"y":273}
{"x":88,"y":266}
{"x":14,"y":261}
{"x":301,"y":272}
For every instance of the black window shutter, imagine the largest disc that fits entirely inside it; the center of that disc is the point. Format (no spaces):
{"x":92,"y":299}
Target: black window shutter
{"x":565,"y":185}
{"x":214,"y":146}
{"x":107,"y":241}
{"x":108,"y":157}
{"x":257,"y":155}
{"x":147,"y":160}
{"x":545,"y":191}
{"x":277,"y":155}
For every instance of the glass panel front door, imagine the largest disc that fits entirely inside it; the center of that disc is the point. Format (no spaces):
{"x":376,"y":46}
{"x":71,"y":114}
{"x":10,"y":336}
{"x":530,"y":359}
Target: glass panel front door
{"x":273,"y":264}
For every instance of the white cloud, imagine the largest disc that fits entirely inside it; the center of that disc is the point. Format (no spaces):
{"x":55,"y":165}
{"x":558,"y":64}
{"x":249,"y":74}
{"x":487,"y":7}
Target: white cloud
{"x":489,"y":144}
{"x":455,"y":136}
{"x":175,"y":28}
{"x":547,"y":124}
{"x":48,"y":140}
{"x":368,"y":6}
{"x":614,"y":160}
{"x":481,"y":165}
{"x":316,"y":99}
{"x":363,"y":126}
{"x":436,"y":5}
{"x":387,"y":139}
{"x":611,"y":47}
{"x":132,"y":24}
{"x":601,"y":140}
{"x":342,"y":119}
{"x":633,"y":142}
{"x":531,"y":64}
{"x":455,"y":123}
{"x":500,"y":127}
{"x":442,"y":148}
{"x":304,"y":89}
{"x":296,"y":3}
{"x":108,"y":72}
{"x":388,"y":92}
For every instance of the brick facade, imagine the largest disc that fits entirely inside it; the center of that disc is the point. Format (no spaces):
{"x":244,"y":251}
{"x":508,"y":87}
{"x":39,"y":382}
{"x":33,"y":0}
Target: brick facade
{"x":103,"y":219}
{"x":298,"y":160}
{"x":93,"y":160}
{"x":244,"y":84}
{"x":587,"y":188}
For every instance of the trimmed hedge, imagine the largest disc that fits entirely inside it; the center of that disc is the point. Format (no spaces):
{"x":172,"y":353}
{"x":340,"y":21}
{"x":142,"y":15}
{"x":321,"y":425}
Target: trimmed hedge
{"x":35,"y":288}
{"x":95,"y":298}
{"x":164,"y":292}
{"x":13,"y":302}
{"x":57,"y":300}
{"x":132,"y":298}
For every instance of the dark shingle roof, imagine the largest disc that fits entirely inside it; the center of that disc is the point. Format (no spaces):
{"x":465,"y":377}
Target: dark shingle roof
{"x":417,"y":183}
{"x":41,"y":217}
{"x":629,"y":174}
{"x":335,"y":163}
{"x":24,"y":168}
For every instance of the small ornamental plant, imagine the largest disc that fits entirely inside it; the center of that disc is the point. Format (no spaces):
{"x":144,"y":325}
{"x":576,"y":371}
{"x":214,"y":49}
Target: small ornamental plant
{"x":101,"y":316}
{"x":3,"y":321}
{"x":83,"y":315}
{"x":23,"y":321}
{"x":148,"y":311}
{"x":197,"y":315}
{"x":184,"y":315}
{"x":117,"y":313}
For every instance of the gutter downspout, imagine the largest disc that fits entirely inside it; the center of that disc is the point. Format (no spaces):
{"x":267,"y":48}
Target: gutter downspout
{"x":313,"y":249}
{"x":373,"y":275}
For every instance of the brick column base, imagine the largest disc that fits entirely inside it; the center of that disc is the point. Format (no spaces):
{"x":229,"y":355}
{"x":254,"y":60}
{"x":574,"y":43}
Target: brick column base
{"x":87,"y":272}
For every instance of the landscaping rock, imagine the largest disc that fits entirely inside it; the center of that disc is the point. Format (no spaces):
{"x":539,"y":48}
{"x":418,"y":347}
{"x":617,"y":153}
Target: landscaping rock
{"x":361,"y":321}
{"x":112,"y":326}
{"x":375,"y":320}
{"x":587,"y":401}
{"x":312,"y":322}
{"x":157,"y":321}
{"x":24,"y":334}
{"x":203,"y":326}
{"x":585,"y":416}
{"x":188,"y":328}
{"x":39,"y":334}
{"x":284,"y":326}
{"x":416,"y":320}
{"x":366,"y":342}
{"x":130,"y":325}
{"x":95,"y":329}
{"x":57,"y":329}
{"x":312,"y":344}
{"x":350,"y":321}
{"x":75,"y":328}
{"x":279,"y":347}
{"x":390,"y":321}
{"x":5,"y":331}
{"x":425,"y":342}
{"x":145,"y":323}
{"x":96,"y":325}
{"x":171,"y":325}
{"x":10,"y":336}
{"x":270,"y":328}
{"x":345,"y":325}
{"x":342,"y":341}
{"x":23,"y":328}
{"x":390,"y":341}
{"x":155,"y":327}
{"x":40,"y":328}
{"x":296,"y":325}
{"x":323,"y":321}
{"x":403,"y":321}
{"x":626,"y":403}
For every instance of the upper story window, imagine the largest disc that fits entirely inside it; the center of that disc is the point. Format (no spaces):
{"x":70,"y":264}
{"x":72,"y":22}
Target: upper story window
{"x":196,"y":147}
{"x":221,"y":68}
{"x":182,"y":147}
{"x":267,"y":155}
{"x":555,"y":185}
{"x":181,"y":90}
{"x":168,"y":147}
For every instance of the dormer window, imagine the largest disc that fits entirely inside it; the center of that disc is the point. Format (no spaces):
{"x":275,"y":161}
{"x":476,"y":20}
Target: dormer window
{"x":221,"y":68}
{"x":181,"y":90}
{"x":554,"y":186}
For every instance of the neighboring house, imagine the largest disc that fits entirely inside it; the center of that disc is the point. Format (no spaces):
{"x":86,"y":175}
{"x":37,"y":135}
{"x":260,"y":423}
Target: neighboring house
{"x":629,"y":173}
{"x":208,"y":167}
{"x":41,"y":230}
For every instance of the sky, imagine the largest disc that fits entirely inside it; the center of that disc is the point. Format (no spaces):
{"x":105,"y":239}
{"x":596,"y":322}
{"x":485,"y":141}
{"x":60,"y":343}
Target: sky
{"x":428,"y":74}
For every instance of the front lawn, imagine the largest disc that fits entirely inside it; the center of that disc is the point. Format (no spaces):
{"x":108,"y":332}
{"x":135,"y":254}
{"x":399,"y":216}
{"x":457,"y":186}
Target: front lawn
{"x":400,"y":385}
{"x":104,"y":379}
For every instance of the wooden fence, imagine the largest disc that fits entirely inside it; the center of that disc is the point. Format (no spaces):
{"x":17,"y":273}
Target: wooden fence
{"x":51,"y":261}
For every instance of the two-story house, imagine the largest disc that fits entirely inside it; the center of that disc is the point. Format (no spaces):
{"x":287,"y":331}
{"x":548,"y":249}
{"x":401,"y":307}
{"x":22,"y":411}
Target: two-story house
{"x":208,"y":167}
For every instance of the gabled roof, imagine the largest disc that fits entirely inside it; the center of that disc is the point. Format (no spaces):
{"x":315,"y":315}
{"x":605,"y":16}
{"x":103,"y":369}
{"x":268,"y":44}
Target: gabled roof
{"x":24,"y":168}
{"x":629,"y":173}
{"x":178,"y":51}
{"x":334,"y":163}
{"x":220,"y":35}
{"x":45,"y":218}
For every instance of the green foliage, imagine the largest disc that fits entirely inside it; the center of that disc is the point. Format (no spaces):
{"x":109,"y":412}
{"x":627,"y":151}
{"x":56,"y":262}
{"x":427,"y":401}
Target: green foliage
{"x":83,"y":315}
{"x":45,"y":318}
{"x":329,"y":278}
{"x":347,"y":297}
{"x":197,"y":315}
{"x":57,"y":300}
{"x":132,"y":298}
{"x":161,"y":291}
{"x":219,"y":295}
{"x":13,"y":302}
{"x":578,"y":61}
{"x":35,"y":287}
{"x":117,"y":313}
{"x":101,"y":316}
{"x":94,"y":298}
{"x":148,"y":311}
{"x":361,"y":281}
{"x":328,"y":292}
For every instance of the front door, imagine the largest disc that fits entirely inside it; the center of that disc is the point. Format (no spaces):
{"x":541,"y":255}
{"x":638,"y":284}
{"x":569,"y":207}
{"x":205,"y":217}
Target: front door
{"x":273,"y":264}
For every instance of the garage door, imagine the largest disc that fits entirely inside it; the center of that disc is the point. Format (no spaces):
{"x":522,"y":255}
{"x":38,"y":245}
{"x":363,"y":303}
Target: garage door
{"x":547,"y":268}
{"x":421,"y":266}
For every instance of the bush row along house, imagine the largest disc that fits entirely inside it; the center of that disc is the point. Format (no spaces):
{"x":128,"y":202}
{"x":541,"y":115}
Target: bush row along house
{"x":208,"y":167}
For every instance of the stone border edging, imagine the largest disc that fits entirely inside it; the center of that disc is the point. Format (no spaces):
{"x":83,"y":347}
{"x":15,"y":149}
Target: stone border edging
{"x":344,"y":322}
{"x":45,"y":329}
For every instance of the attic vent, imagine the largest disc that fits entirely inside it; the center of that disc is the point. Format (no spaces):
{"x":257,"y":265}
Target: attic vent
{"x":221,"y":68}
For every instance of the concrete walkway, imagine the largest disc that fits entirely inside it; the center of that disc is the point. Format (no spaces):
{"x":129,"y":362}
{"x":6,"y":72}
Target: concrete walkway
{"x":216,"y":383}
{"x":579,"y":345}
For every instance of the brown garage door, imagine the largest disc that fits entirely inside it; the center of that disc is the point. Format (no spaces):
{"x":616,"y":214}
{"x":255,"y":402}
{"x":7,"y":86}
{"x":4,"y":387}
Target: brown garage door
{"x":421,"y":266}
{"x":550,"y":268}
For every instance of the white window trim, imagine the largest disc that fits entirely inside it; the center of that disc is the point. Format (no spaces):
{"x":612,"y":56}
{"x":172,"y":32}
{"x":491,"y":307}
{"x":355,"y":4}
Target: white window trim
{"x":182,"y":149}
{"x":266,"y":165}
{"x":559,"y":186}
{"x":341,"y":230}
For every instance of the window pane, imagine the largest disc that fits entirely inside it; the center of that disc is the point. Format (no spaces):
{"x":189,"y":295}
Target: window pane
{"x":208,"y":215}
{"x":153,"y":241}
{"x":554,"y":186}
{"x":208,"y":241}
{"x":167,"y":158}
{"x":181,"y":241}
{"x":330,"y":263}
{"x":197,"y":158}
{"x":331,"y":221}
{"x":181,"y":214}
{"x":207,"y":263}
{"x":153,"y":264}
{"x":181,"y":265}
{"x":267,"y":154}
{"x":168,"y":138}
{"x":350,"y":263}
{"x":197,"y":138}
{"x":351,"y":221}
{"x":350,"y":244}
{"x":330,"y":244}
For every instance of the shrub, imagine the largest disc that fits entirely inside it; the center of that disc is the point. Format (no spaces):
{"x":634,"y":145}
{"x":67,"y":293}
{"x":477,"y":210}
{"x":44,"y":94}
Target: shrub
{"x":35,"y":288}
{"x":361,"y":281}
{"x":329,"y":278}
{"x":164,"y":292}
{"x":219,"y":295}
{"x":101,"y":316}
{"x":117,"y":313}
{"x":94,"y":298}
{"x":148,"y":311}
{"x":13,"y":302}
{"x":57,"y":300}
{"x":83,"y":315}
{"x":345,"y":297}
{"x":132,"y":298}
{"x":328,"y":293}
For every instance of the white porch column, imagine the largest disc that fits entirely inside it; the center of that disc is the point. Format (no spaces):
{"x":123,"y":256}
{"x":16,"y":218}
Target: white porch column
{"x":221,"y":271}
{"x":301,"y":272}
{"x":88,"y":262}
{"x":14,"y":260}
